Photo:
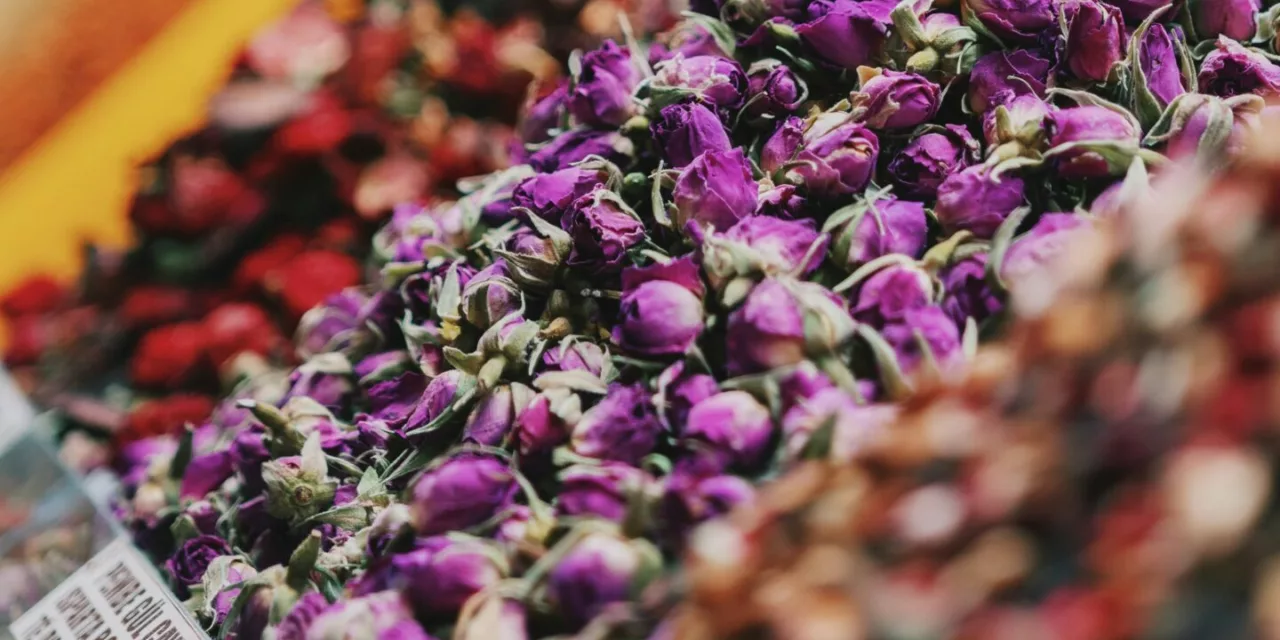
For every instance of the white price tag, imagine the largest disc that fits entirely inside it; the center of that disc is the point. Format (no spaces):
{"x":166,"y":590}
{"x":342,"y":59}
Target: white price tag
{"x":114,"y":596}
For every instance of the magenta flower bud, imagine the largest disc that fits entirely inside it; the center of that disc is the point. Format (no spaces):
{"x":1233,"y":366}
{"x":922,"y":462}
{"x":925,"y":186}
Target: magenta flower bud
{"x":492,"y":418}
{"x":187,"y":565}
{"x":762,"y":246}
{"x":774,"y":90}
{"x":661,"y":311}
{"x":549,"y":195}
{"x":878,"y":227}
{"x":715,"y":190}
{"x":842,"y":33}
{"x":1231,"y":70}
{"x":205,"y":473}
{"x":1235,"y":19}
{"x":1206,"y":125}
{"x":685,"y":131}
{"x":831,"y":156}
{"x":1014,"y":20}
{"x":325,"y":378}
{"x":928,"y":159}
{"x":713,"y":80}
{"x":1095,"y":40}
{"x":601,"y":95}
{"x":1039,"y":247}
{"x":220,"y":595}
{"x":248,"y":452}
{"x":730,"y":430}
{"x":384,"y":615}
{"x":976,"y":201}
{"x":690,"y":499}
{"x":783,"y":202}
{"x":1088,"y":124}
{"x":623,"y":426}
{"x":573,"y":146}
{"x":546,"y":422}
{"x":782,"y":322}
{"x":576,"y":355}
{"x":600,"y":569}
{"x":896,"y":100}
{"x":938,"y":332}
{"x":603,"y":228}
{"x":542,"y":115}
{"x":1025,"y":125}
{"x":299,"y":619}
{"x":332,"y":325}
{"x":462,"y":491}
{"x":440,"y":394}
{"x":603,"y":491}
{"x":688,"y":38}
{"x":966,"y":292}
{"x":1158,"y":58}
{"x":679,"y":390}
{"x":203,"y":516}
{"x":889,"y":293}
{"x":490,"y":296}
{"x":394,"y":400}
{"x":438,"y":578}
{"x":999,"y":76}
{"x":852,"y":425}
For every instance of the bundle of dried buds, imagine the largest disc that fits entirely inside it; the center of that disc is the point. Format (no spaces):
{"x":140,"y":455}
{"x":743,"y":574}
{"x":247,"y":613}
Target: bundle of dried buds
{"x":1107,"y":471}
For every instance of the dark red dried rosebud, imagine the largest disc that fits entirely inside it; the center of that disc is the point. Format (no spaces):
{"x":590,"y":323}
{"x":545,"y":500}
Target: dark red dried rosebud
{"x":311,"y":277}
{"x":376,"y":50}
{"x":264,"y":264}
{"x":171,"y":356}
{"x":148,"y":306}
{"x":342,"y":234}
{"x":204,"y":194}
{"x":238,"y":327}
{"x":320,"y":128}
{"x":29,"y":336}
{"x":163,"y":416}
{"x":35,"y":295}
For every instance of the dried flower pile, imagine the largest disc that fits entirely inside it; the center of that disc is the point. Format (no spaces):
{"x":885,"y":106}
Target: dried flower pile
{"x":756,"y":242}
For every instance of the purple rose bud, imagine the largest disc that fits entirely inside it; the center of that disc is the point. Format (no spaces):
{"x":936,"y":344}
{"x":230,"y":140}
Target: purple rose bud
{"x":889,"y":293}
{"x":1231,"y":70}
{"x":603,"y":491}
{"x":661,"y":310}
{"x":576,"y":355}
{"x":852,"y":425}
{"x":549,"y":195}
{"x":928,"y":159}
{"x":1095,"y":40}
{"x":187,"y":565}
{"x":1158,"y":58}
{"x":1235,"y":19}
{"x":573,"y":146}
{"x":534,"y":257}
{"x":461,"y":492}
{"x":491,"y":420}
{"x":384,"y":615}
{"x":976,"y":201}
{"x":332,"y":325}
{"x":679,"y":390}
{"x":205,"y":473}
{"x":878,"y":227}
{"x":325,"y":378}
{"x":1040,"y":246}
{"x":546,"y":422}
{"x":896,"y":100}
{"x":386,"y":526}
{"x":490,"y":296}
{"x":715,"y":190}
{"x":600,"y":569}
{"x":688,"y":38}
{"x":966,"y":291}
{"x":543,"y":115}
{"x":518,"y":524}
{"x":299,"y":619}
{"x":1088,"y":124}
{"x":1206,"y":125}
{"x":224,"y":595}
{"x":730,"y":430}
{"x":1135,"y":11}
{"x":394,"y":400}
{"x":774,"y":89}
{"x":203,"y":516}
{"x":622,"y":427}
{"x":842,"y":33}
{"x":1023,"y":128}
{"x":714,"y":80}
{"x":764,"y":246}
{"x":381,"y":366}
{"x":782,"y":322}
{"x":938,"y":332}
{"x":999,"y":76}
{"x":832,"y":156}
{"x":601,"y":95}
{"x":783,"y":202}
{"x":1014,"y":20}
{"x":603,"y":228}
{"x":690,"y":499}
{"x":685,"y":131}
{"x":439,"y":578}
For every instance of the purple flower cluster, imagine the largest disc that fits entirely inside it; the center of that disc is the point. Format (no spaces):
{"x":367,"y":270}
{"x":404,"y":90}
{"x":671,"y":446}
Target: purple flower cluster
{"x":719,"y":262}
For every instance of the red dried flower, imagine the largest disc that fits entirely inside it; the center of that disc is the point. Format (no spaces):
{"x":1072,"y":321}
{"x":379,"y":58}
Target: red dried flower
{"x":262,"y":265}
{"x":152,"y":305}
{"x":37,"y":294}
{"x":237,"y":327}
{"x":320,"y":128}
{"x":171,"y":356}
{"x":28,"y":338}
{"x":164,"y":416}
{"x":309,"y":278}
